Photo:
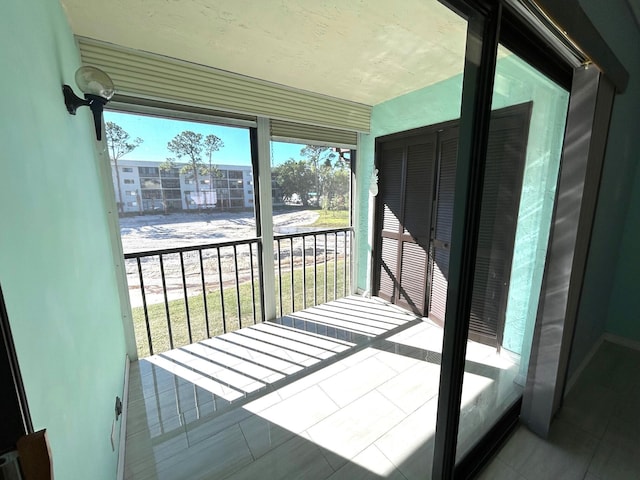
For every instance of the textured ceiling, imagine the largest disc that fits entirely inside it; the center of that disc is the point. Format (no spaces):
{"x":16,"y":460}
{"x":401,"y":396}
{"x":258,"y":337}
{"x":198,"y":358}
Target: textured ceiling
{"x":364,"y":51}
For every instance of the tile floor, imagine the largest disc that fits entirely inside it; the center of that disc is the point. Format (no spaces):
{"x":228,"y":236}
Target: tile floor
{"x":596,"y":435}
{"x":344,"y":390}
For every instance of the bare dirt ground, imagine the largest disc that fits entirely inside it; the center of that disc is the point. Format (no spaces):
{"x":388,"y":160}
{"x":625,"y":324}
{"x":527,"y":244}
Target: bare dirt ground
{"x":154,"y":232}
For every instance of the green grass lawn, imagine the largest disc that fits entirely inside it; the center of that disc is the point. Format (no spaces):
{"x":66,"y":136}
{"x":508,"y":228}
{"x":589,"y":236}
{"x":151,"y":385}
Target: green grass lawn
{"x":332,"y":219}
{"x":178,"y":313}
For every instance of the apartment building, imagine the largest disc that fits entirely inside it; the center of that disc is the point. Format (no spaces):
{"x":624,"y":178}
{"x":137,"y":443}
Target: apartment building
{"x":145,"y":187}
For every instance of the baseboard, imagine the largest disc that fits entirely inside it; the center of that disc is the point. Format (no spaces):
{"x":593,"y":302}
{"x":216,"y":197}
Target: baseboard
{"x":123,"y":420}
{"x":625,"y":342}
{"x":574,"y":378}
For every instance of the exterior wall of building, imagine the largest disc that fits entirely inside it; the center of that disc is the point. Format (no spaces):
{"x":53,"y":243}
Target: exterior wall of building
{"x":147,"y":188}
{"x":57,"y":268}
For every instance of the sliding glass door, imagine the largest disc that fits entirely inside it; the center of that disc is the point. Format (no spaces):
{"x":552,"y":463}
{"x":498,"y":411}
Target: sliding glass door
{"x":522,"y":163}
{"x":512,"y":128}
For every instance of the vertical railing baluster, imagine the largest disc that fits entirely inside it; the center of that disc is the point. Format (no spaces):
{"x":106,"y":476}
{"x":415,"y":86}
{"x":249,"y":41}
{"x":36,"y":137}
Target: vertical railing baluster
{"x":204,"y":295}
{"x":335,"y":265}
{"x":325,"y":268}
{"x":344,"y":279}
{"x":253,"y":284}
{"x":263,"y":315}
{"x":224,"y":317}
{"x":293,"y":308}
{"x":304,"y":273}
{"x":166,"y":301}
{"x":315,"y":269}
{"x":280,"y":275}
{"x":144,"y":306}
{"x":186,"y":297}
{"x":235,"y":265}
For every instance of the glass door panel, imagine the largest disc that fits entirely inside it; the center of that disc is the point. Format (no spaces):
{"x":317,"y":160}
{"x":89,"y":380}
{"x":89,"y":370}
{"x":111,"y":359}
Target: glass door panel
{"x":523,"y":157}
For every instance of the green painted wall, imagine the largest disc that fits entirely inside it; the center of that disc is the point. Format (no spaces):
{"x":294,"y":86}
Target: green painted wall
{"x":516,"y":82}
{"x":610,"y":300}
{"x":57,"y":268}
{"x":434,"y":104}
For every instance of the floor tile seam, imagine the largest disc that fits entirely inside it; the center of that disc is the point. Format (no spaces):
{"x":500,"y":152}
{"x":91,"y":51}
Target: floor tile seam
{"x":326,"y":394}
{"x":225,"y":409}
{"x":269,"y":354}
{"x":176,"y":452}
{"x":202,"y":403}
{"x":241,"y":359}
{"x":584,"y":431}
{"x":203,"y":374}
{"x":246,"y":442}
{"x":310,"y":437}
{"x":293,"y":340}
{"x":283,"y":347}
{"x":321,"y":451}
{"x":359,"y":314}
{"x":408,"y":414}
{"x":593,"y":456}
{"x":373,"y":444}
{"x":190,"y":383}
{"x":234,"y":367}
{"x":311,"y":334}
{"x":575,"y":424}
{"x":396,"y":467}
{"x":339,"y":324}
{"x":351,"y":401}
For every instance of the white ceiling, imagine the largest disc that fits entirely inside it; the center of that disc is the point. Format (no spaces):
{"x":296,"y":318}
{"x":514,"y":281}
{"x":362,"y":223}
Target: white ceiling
{"x":367,"y":51}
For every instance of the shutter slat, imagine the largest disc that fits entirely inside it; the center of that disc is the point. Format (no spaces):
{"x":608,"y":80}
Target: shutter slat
{"x":419,"y":189}
{"x":388,"y":266}
{"x":290,"y":131}
{"x":155,"y":77}
{"x":391,"y":190}
{"x":439,"y":283}
{"x":413,"y":275}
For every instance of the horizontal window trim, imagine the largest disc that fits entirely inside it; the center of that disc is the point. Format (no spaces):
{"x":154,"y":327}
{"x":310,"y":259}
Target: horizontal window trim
{"x":319,"y":143}
{"x":139,"y":106}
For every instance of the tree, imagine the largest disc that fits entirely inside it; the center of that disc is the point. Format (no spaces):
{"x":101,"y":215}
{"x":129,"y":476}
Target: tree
{"x":118,"y":145}
{"x":319,"y":157}
{"x":294,"y":177}
{"x":192,"y":146}
{"x":336,"y":183}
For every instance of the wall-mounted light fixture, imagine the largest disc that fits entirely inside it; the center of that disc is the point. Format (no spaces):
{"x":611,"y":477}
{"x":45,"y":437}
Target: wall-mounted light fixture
{"x":98,"y":90}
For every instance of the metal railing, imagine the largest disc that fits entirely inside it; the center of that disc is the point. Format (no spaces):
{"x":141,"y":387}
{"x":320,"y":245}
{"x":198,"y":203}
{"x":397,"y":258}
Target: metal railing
{"x":184,"y":295}
{"x":311,"y":268}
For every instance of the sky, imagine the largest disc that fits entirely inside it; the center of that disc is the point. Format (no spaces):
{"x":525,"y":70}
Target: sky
{"x":157,"y":132}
